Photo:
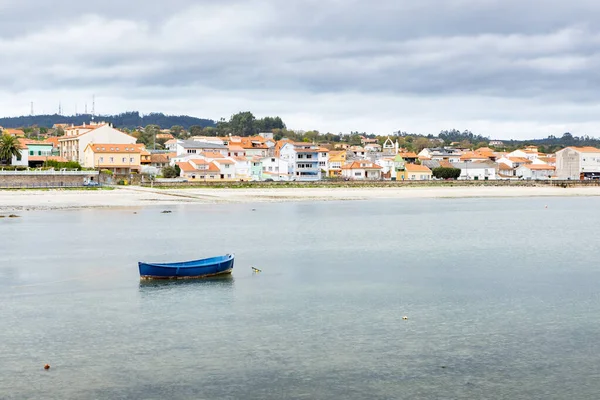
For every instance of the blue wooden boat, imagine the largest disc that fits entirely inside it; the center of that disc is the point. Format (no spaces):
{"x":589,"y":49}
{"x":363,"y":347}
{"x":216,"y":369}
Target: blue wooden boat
{"x":203,"y":268}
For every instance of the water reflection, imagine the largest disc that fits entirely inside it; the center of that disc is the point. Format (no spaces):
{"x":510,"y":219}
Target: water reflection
{"x":224,"y":282}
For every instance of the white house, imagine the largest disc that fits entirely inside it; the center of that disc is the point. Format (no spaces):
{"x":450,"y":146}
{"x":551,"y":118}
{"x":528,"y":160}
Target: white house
{"x":306,"y":161}
{"x":528,"y":154}
{"x":184,"y":147}
{"x":275,"y":168}
{"x":22,"y":159}
{"x":373,"y":148}
{"x":478,"y":170}
{"x":77,"y":138}
{"x":226,"y":167}
{"x":198,"y":169}
{"x":535,"y":171}
{"x":441,"y":154}
{"x":171,"y":145}
{"x":578,"y":162}
{"x":386,"y":164}
{"x":361,"y":171}
{"x":242,"y":168}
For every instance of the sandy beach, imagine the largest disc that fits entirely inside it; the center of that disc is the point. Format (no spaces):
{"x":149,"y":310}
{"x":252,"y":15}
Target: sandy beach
{"x":139,"y":197}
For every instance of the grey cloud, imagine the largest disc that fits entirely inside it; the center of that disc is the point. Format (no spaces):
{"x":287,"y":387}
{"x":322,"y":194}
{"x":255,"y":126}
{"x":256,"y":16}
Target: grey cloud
{"x":428,"y":48}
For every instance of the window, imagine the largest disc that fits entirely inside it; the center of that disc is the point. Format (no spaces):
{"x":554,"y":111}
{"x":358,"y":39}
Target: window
{"x":322,"y":163}
{"x":309,"y":156}
{"x":30,"y":152}
{"x":227,"y":165}
{"x":130,"y":159}
{"x":300,"y":155}
{"x":270,"y":168}
{"x":123,"y":159}
{"x":357,"y":174}
{"x":101,"y":159}
{"x":112,"y":160}
{"x":229,"y":175}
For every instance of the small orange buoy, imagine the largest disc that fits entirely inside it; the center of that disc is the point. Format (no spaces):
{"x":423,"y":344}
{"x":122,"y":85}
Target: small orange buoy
{"x":47,"y":366}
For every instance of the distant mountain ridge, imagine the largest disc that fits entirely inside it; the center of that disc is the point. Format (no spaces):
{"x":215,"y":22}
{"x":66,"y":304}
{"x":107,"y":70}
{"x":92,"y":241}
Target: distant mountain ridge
{"x":130,"y":120}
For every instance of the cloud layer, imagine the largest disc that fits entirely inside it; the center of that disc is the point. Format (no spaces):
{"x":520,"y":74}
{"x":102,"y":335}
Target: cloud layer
{"x":498,"y":67}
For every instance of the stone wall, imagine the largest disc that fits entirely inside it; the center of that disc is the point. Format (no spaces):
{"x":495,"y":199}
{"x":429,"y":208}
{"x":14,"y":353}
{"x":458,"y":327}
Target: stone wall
{"x":32,"y":180}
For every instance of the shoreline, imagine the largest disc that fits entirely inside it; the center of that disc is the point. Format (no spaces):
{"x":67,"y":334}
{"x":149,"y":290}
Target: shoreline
{"x":133,"y":196}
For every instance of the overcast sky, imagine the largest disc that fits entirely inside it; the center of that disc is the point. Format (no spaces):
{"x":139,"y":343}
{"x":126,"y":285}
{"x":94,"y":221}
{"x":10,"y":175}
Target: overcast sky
{"x":500,"y":68}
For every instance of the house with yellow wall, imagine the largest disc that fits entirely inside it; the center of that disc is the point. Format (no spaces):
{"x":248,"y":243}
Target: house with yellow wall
{"x":117,"y":158}
{"x":416,"y":172}
{"x":337,"y":159}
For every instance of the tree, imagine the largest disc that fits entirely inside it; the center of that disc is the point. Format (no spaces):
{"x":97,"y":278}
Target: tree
{"x":421,"y":143}
{"x":150,"y":132}
{"x":171,"y":172}
{"x":446,"y":173}
{"x":9,"y":148}
{"x":60,"y":131}
{"x":196,"y":130}
{"x":176,"y":130}
{"x":355,"y":140}
{"x":243,"y":123}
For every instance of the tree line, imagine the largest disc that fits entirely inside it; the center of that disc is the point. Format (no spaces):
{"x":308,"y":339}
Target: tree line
{"x":128,"y":120}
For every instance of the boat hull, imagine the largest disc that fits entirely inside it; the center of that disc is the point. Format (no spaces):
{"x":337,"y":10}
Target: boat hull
{"x":197,"y":269}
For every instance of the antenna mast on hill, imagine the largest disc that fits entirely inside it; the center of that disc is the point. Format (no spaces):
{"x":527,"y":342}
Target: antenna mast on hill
{"x":59,"y":108}
{"x":31,"y":112}
{"x":93,"y":105}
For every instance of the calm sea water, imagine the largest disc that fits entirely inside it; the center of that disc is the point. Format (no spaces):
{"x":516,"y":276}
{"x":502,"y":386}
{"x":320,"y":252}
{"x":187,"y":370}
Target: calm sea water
{"x":502,"y":299}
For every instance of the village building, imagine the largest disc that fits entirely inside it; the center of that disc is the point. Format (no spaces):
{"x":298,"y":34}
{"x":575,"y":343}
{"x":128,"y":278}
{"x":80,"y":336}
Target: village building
{"x":77,"y":138}
{"x":120,"y":159}
{"x":415,"y":172}
{"x":578,"y":163}
{"x":478,"y":170}
{"x":535,"y":171}
{"x":306,"y":161}
{"x":361,"y":171}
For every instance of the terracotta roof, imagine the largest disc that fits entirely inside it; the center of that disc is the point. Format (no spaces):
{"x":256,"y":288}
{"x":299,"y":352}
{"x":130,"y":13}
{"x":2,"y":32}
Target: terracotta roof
{"x":211,"y":166}
{"x":234,"y":147}
{"x":53,"y":140}
{"x":361,"y":165}
{"x":159,"y":158}
{"x":114,"y":148}
{"x":473,"y":156}
{"x":14,"y":132}
{"x":408,"y":154}
{"x":241,"y":159}
{"x":445,"y":164}
{"x":585,"y":149}
{"x":504,"y":167}
{"x":519,"y":160}
{"x":186,"y":167}
{"x":209,"y":154}
{"x":416,"y":168}
{"x":225,"y":161}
